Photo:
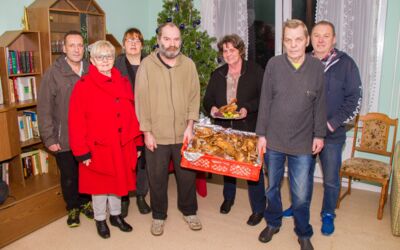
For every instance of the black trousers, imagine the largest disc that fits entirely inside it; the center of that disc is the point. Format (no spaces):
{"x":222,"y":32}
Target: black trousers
{"x":157,"y":172}
{"x":142,"y":182}
{"x":69,"y":171}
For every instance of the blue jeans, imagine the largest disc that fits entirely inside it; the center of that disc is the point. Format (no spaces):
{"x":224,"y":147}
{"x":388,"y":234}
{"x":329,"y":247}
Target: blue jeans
{"x":331,"y":160}
{"x":301,"y":177}
{"x":256,"y":190}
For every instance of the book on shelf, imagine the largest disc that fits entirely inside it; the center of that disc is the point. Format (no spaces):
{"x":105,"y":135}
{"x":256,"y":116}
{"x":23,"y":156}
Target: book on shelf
{"x":11,"y":94}
{"x":44,"y":161}
{"x":25,"y":88}
{"x":28,"y":125}
{"x":20,"y":62}
{"x":9,"y":61}
{"x":13,"y":61}
{"x":31,"y":62}
{"x":1,"y":93}
{"x":4,"y":168}
{"x":34,"y":122}
{"x":23,"y":133}
{"x":27,"y":166}
{"x":15,"y":88}
{"x":34,"y":163}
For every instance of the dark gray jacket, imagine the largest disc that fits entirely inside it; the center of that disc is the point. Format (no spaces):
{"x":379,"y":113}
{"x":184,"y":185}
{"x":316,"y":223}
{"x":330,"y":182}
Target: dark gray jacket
{"x":292,"y":108}
{"x":53,"y":102}
{"x":121,"y":63}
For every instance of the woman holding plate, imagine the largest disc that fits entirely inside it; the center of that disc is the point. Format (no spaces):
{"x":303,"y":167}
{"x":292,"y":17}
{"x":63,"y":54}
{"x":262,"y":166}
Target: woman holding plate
{"x":237,"y":84}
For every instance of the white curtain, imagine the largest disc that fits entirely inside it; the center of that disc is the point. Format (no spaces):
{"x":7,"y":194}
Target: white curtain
{"x":223,"y":17}
{"x":358,"y":24}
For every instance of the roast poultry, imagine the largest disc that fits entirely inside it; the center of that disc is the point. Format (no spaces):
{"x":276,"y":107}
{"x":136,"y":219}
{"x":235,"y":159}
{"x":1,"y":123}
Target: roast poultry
{"x":225,"y":143}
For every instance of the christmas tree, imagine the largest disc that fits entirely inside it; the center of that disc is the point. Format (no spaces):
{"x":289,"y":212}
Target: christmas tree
{"x":196,"y":44}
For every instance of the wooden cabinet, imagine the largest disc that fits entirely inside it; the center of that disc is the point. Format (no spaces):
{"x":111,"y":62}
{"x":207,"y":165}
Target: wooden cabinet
{"x":8,"y":132}
{"x":20,"y":56}
{"x":54,"y":18}
{"x":37,"y":200}
{"x":118,"y":47}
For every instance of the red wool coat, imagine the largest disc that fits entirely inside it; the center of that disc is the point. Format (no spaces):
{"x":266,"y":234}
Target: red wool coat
{"x":103,"y":127}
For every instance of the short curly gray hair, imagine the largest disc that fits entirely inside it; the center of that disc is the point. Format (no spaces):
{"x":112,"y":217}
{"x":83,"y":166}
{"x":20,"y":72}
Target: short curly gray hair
{"x":99,"y":46}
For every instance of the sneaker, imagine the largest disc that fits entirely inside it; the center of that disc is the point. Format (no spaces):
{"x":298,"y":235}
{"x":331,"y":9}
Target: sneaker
{"x":193,"y":221}
{"x":157,"y":227}
{"x":87,"y":210}
{"x":73,"y":217}
{"x":328,"y":226}
{"x":288,"y":212}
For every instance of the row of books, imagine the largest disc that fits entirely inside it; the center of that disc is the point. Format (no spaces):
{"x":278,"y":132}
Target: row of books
{"x":22,"y":88}
{"x":28,"y":125}
{"x":1,"y":93}
{"x":57,"y":46}
{"x":20,"y":62}
{"x":35,"y":162}
{"x":4,"y":172}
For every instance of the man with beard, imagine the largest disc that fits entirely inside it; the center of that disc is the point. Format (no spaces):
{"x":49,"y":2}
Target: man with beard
{"x":167,"y":96}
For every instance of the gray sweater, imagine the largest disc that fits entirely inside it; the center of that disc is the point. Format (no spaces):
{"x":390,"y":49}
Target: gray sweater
{"x":292,"y":107}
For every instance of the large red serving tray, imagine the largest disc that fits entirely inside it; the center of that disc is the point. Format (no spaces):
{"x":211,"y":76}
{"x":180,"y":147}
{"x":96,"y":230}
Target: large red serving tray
{"x":218,"y":165}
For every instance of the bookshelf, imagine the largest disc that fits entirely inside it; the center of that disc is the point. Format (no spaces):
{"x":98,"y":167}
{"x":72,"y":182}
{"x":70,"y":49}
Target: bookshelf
{"x":35,"y":200}
{"x":54,"y":18}
{"x":118,"y":47}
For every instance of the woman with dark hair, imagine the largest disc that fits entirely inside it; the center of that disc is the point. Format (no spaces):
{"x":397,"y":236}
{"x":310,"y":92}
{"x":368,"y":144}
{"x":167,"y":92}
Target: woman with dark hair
{"x":238,"y":80}
{"x":128,"y":64}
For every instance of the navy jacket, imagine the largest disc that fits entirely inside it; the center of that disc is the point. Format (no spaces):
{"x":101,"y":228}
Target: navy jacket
{"x":343,"y":95}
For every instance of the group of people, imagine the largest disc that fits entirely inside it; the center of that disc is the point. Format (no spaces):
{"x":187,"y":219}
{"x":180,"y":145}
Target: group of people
{"x":115,"y":125}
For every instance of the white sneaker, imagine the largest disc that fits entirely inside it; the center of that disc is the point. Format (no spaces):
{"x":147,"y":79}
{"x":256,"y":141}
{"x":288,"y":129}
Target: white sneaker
{"x":193,"y":221}
{"x":157,"y":227}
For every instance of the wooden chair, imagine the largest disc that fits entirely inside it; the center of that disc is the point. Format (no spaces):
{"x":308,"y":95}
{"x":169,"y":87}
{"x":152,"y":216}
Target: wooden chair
{"x":375,"y":130}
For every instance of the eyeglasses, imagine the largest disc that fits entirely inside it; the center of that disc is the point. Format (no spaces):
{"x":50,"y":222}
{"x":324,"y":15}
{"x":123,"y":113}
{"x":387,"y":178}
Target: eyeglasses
{"x":136,"y":41}
{"x":102,"y":57}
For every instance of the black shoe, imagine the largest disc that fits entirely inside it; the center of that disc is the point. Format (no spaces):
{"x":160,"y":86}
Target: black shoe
{"x":125,"y":207}
{"x":305,"y":244}
{"x":73,"y":217}
{"x":142,"y":205}
{"x":102,"y":229}
{"x":255,"y":218}
{"x":87,"y":210}
{"x":226,"y":206}
{"x":266,"y":234}
{"x":118,"y":221}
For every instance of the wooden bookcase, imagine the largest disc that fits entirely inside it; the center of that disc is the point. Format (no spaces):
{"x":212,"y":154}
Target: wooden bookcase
{"x":118,"y":47}
{"x":54,"y":18}
{"x":34,"y":201}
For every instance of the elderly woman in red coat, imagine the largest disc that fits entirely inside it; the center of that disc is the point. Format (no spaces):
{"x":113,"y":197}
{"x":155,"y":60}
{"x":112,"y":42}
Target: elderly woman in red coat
{"x":104,"y":133}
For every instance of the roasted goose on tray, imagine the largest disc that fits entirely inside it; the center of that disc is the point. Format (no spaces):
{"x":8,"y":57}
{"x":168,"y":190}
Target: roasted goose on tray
{"x":225,"y":143}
